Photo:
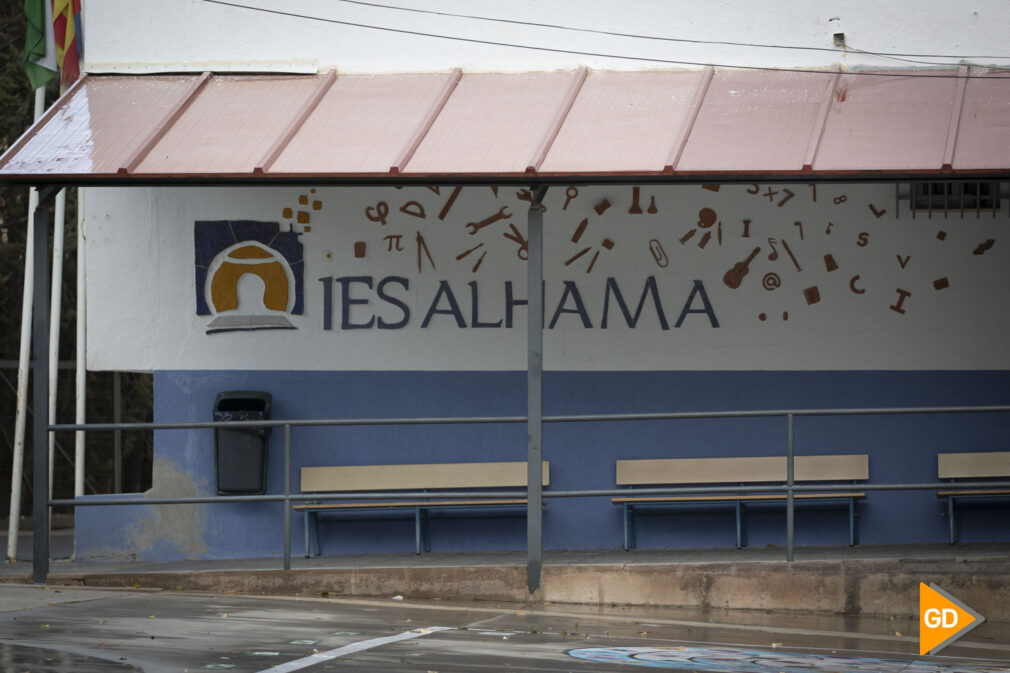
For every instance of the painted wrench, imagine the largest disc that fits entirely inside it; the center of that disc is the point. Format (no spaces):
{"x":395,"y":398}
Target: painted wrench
{"x":524,"y":247}
{"x":474,"y":227}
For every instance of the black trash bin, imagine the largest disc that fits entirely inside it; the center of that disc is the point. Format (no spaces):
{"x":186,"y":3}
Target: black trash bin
{"x":240,"y":454}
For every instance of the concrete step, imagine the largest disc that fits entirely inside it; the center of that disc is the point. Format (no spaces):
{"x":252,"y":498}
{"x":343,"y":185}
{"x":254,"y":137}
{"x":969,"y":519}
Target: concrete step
{"x":866,"y":581}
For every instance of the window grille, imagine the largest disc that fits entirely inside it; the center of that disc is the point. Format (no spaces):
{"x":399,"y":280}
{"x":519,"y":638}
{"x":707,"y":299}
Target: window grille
{"x":959,"y":198}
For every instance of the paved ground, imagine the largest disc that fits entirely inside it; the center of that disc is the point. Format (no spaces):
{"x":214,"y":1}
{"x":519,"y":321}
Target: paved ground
{"x":46,"y":629}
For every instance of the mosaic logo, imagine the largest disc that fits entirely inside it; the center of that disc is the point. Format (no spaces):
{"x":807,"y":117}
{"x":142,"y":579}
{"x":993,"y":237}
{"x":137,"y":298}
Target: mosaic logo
{"x":249,"y":275}
{"x":726,"y":660}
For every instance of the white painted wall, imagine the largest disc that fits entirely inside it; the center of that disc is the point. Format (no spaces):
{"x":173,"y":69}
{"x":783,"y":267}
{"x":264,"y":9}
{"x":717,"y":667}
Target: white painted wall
{"x":155,"y":35}
{"x":141,"y":288}
{"x":142,"y":308}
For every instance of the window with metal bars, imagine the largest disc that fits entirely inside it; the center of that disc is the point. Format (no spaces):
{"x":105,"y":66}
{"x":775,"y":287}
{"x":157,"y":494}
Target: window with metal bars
{"x":956,"y":197}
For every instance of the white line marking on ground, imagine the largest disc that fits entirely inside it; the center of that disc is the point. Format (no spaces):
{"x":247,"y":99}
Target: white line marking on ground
{"x":360,"y":646}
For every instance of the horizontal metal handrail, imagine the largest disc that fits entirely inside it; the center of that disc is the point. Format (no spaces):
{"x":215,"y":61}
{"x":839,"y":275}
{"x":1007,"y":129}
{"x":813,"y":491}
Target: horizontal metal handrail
{"x":789,"y":488}
{"x":93,"y":500}
{"x":570,"y":418}
{"x":295,"y":497}
{"x":295,"y":423}
{"x":777,"y":488}
{"x":463,"y":495}
{"x":774,"y":413}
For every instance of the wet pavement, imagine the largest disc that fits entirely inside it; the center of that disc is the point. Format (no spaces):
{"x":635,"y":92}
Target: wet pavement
{"x":45,"y":629}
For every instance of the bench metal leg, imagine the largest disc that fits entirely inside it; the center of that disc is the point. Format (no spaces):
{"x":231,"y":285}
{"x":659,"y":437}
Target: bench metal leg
{"x":417,"y":531}
{"x":629,"y":527}
{"x":852,"y":522}
{"x":307,"y":515}
{"x":951,"y":520}
{"x":312,"y":533}
{"x":740,"y":542}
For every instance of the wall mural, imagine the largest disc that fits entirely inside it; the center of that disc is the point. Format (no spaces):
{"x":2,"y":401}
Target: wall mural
{"x":725,"y":660}
{"x":733,"y":276}
{"x":709,"y":227}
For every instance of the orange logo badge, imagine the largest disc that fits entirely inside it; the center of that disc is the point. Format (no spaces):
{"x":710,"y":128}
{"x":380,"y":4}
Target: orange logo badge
{"x":942,"y":619}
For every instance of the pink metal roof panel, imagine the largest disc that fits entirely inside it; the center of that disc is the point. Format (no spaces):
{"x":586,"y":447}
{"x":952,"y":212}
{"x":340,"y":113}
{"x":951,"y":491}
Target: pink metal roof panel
{"x":897,"y":123}
{"x":98,"y":125}
{"x":732,"y":122}
{"x":755,"y":121}
{"x":229,"y":126}
{"x":492,"y":124}
{"x":983,"y":139}
{"x":361,"y":125}
{"x":623,"y":122}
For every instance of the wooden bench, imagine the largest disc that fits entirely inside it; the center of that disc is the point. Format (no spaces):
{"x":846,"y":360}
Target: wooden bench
{"x":738,"y":471}
{"x":439,"y":478}
{"x":978,"y":465}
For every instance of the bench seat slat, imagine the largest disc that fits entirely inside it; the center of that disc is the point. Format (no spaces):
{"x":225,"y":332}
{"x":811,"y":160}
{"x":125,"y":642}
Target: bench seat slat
{"x":970,"y":465}
{"x":413,"y":481}
{"x":418,"y":477}
{"x":750,"y":469}
{"x":973,"y":465}
{"x":739,"y":471}
{"x":734,"y":498}
{"x":410,"y":503}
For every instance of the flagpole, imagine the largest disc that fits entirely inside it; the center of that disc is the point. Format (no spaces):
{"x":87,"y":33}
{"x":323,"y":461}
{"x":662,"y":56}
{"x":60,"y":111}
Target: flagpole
{"x":17,"y":468}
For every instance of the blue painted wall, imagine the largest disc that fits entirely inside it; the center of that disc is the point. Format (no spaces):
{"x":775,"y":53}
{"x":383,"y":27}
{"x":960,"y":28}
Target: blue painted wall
{"x":901,"y":449}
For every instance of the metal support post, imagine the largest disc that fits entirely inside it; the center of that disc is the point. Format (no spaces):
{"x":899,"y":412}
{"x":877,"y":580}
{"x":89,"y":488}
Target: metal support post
{"x":81,"y":368}
{"x":40,"y":392}
{"x":790,"y":510}
{"x":287,"y":497}
{"x":534,"y":390}
{"x":117,"y":435}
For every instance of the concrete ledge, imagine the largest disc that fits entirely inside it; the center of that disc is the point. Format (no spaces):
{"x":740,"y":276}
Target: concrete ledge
{"x":858,"y":588}
{"x":887,"y":587}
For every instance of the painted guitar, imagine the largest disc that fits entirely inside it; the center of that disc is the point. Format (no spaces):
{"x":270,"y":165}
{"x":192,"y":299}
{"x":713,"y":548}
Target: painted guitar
{"x":734,"y":276}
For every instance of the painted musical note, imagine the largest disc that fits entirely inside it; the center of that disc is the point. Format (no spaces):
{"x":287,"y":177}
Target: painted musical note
{"x":774,"y":254}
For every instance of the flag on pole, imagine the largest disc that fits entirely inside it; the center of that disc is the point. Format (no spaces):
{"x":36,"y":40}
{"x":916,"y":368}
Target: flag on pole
{"x":40,"y":45}
{"x":69,"y":40}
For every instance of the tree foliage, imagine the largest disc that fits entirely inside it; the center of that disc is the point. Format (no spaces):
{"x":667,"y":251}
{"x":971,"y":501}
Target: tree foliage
{"x":16,"y":114}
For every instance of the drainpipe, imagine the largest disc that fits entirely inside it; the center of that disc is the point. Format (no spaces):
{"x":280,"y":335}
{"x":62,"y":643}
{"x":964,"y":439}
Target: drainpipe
{"x":534,"y":389}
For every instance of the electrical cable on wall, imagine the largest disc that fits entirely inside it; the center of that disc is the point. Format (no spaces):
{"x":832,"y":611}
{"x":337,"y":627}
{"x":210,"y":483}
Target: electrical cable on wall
{"x":574,"y":52}
{"x":534,"y":24}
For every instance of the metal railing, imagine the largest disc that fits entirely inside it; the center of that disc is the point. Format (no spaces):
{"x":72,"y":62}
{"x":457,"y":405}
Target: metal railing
{"x":790,"y":487}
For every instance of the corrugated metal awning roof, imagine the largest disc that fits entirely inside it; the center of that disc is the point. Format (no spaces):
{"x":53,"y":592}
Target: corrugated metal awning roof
{"x":543,"y":126}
